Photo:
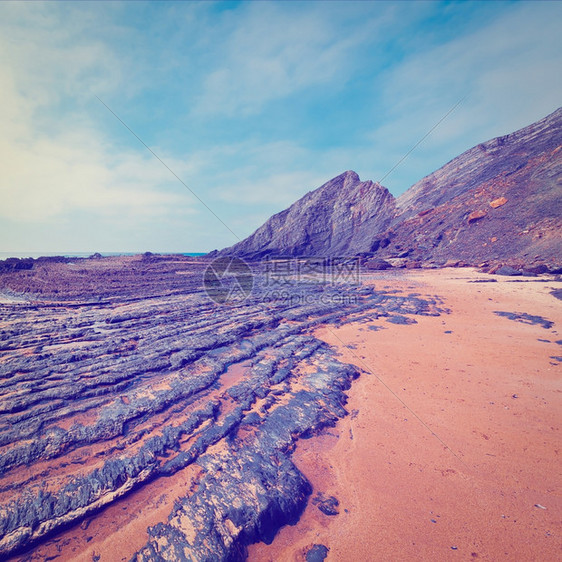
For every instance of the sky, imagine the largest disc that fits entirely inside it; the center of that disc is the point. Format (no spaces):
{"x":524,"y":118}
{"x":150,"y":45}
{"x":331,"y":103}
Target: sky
{"x":250,"y":104}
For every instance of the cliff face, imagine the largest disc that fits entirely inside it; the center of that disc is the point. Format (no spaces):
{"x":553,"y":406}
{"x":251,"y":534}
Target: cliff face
{"x":501,"y":200}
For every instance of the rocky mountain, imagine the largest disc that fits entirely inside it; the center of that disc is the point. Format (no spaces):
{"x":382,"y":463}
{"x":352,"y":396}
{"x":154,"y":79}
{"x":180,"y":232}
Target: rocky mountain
{"x":334,"y":219}
{"x":500,"y":201}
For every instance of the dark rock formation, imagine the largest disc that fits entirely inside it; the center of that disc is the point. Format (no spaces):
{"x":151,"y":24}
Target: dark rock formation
{"x":526,"y":318}
{"x":557,"y":293}
{"x":498,"y":201}
{"x":15,"y":264}
{"x":328,"y":505}
{"x":115,"y":372}
{"x":378,"y":264}
{"x":507,"y":270}
{"x":336,"y":219}
{"x":317,"y":553}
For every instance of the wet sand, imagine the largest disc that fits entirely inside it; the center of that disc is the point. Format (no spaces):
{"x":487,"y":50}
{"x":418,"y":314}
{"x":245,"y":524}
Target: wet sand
{"x":452,"y":448}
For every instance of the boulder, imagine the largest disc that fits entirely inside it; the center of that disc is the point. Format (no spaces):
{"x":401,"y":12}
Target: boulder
{"x":317,"y":553}
{"x":398,"y":262}
{"x":377,"y":264}
{"x":498,"y":202}
{"x":507,"y":270}
{"x":476,"y":216}
{"x":536,"y":270}
{"x":326,"y":504}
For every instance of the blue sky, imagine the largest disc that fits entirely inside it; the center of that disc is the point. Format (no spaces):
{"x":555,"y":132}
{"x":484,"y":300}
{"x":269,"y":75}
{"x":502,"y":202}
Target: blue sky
{"x":252,"y":104}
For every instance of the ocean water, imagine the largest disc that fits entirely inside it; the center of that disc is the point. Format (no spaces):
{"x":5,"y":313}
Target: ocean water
{"x":5,"y":255}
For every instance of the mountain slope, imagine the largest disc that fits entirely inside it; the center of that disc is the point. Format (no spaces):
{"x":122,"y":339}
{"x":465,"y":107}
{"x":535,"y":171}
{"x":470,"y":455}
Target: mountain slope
{"x":498,"y":201}
{"x":501,"y":199}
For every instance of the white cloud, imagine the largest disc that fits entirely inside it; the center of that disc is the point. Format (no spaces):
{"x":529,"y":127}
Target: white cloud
{"x":183,"y":74}
{"x":53,"y":168}
{"x":273,"y":174}
{"x":46,"y":178}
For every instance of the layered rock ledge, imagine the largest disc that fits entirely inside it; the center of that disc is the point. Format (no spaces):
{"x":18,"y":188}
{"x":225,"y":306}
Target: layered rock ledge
{"x":117,"y":372}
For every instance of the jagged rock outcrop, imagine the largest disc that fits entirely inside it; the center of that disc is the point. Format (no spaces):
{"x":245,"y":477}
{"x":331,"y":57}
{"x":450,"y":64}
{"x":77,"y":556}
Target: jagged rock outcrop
{"x":333,"y":220}
{"x":500,"y":201}
{"x":118,"y":372}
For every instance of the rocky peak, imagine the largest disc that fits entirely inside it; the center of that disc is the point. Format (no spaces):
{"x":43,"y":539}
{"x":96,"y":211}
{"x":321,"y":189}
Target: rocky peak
{"x":331,"y":220}
{"x":350,"y":178}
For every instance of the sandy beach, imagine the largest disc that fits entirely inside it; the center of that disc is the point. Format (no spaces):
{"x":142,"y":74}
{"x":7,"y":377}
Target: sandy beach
{"x":452,"y":448}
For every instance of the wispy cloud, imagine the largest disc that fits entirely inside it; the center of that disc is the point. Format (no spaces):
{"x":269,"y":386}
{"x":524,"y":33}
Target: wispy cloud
{"x":56,"y":162}
{"x":274,"y":53}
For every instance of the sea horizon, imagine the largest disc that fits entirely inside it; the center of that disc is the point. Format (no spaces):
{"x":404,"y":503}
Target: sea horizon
{"x":35,"y":255}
